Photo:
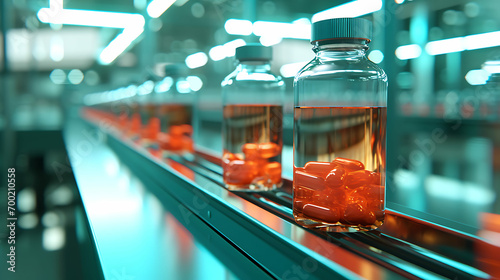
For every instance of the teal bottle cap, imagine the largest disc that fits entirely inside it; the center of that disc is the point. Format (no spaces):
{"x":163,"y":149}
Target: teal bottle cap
{"x":341,"y":28}
{"x":254,"y":52}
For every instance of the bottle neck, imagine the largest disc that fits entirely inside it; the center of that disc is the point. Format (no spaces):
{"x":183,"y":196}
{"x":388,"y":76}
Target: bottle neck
{"x":340,"y":49}
{"x":254,"y":65}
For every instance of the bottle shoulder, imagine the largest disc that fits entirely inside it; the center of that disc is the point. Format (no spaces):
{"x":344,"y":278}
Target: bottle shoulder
{"x":341,"y":68}
{"x":239,"y":76}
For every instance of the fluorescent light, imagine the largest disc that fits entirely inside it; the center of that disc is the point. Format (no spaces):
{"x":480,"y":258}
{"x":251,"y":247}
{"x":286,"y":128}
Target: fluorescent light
{"x":270,"y":40}
{"x":238,"y":27}
{"x":119,"y":45}
{"x":57,"y":76}
{"x":195,"y":83}
{"x":217,"y":53}
{"x":350,"y":9}
{"x":408,"y":51}
{"x":53,"y":238}
{"x":483,"y":40}
{"x":164,"y":85}
{"x":196,"y":60}
{"x":451,"y":45}
{"x":183,"y":86}
{"x":296,"y":30}
{"x":132,"y":24}
{"x":376,"y":56}
{"x":90,"y":18}
{"x":56,"y":52}
{"x":291,"y":69}
{"x":477,"y":77}
{"x":75,"y":76}
{"x":492,"y":66}
{"x":157,"y":7}
{"x":445,"y":46}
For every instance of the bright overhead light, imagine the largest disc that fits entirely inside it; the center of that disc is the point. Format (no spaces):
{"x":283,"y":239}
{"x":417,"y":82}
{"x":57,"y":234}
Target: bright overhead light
{"x":459,"y":44}
{"x":445,"y":46}
{"x":227,"y":50}
{"x":296,"y":30}
{"x":132,"y":24}
{"x":195,"y":83}
{"x":75,"y":76}
{"x":196,"y":60}
{"x":408,"y":52}
{"x":291,"y":69}
{"x":157,"y":7}
{"x":351,"y":9}
{"x":90,"y":18}
{"x":217,"y":53}
{"x":238,"y":27}
{"x":492,"y":66}
{"x":477,"y":77}
{"x":119,"y":45}
{"x":270,"y":40}
{"x":376,"y":56}
{"x":483,"y":40}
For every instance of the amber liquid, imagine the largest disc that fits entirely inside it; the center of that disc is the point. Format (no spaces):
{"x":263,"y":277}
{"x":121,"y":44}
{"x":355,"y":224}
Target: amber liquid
{"x":339,"y":167}
{"x":175,"y":127}
{"x":252,"y":142}
{"x":174,"y":114}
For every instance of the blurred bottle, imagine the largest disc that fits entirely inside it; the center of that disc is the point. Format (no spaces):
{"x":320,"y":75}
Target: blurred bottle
{"x":150,"y":125}
{"x":175,"y":98}
{"x":252,"y":99}
{"x":340,"y":131}
{"x":490,"y":92}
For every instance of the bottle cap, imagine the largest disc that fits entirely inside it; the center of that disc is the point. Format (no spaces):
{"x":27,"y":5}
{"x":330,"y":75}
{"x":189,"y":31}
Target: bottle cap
{"x":254,"y":52}
{"x":336,"y":28}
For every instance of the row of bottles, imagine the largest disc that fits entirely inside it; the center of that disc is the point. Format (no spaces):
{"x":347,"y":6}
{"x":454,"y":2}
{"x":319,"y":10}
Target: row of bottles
{"x":339,"y":138}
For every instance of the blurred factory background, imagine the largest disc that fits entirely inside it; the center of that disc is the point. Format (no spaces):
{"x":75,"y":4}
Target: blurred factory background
{"x":442,"y":59}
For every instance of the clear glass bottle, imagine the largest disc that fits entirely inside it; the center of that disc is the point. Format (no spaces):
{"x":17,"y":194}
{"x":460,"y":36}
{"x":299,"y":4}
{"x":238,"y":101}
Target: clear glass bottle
{"x":489,"y":94}
{"x":339,"y":131}
{"x":175,"y":98}
{"x":252,"y":129}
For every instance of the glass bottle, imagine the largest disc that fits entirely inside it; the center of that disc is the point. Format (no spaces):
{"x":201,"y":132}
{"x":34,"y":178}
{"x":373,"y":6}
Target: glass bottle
{"x":252,"y":98}
{"x":175,"y":98}
{"x":489,"y":94}
{"x":339,"y":131}
{"x":150,"y":124}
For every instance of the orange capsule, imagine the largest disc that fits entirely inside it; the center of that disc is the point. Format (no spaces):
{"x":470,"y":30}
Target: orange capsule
{"x":186,"y":129}
{"x":175,"y":142}
{"x":298,"y":204}
{"x":333,"y":198}
{"x":164,"y":141}
{"x":268,"y":150}
{"x":240,"y":172}
{"x":135,"y":124}
{"x":123,"y":120}
{"x":376,"y":178}
{"x":152,"y":129}
{"x":336,"y":177}
{"x":356,"y":214}
{"x":302,"y":193}
{"x":227,"y":156}
{"x":250,"y":150}
{"x":372,"y":197}
{"x":187,"y":143}
{"x":175,"y":130}
{"x":349,"y":164}
{"x":358,"y":178}
{"x":321,"y":213}
{"x":318,"y":167}
{"x":307,"y":180}
{"x":273,"y":170}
